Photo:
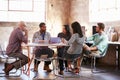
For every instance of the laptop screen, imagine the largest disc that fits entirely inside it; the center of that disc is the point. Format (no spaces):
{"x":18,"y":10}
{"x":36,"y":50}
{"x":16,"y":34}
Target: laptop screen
{"x":55,"y":40}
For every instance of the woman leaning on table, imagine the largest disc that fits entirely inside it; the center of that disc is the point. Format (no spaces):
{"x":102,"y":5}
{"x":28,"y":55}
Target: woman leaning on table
{"x":76,"y":46}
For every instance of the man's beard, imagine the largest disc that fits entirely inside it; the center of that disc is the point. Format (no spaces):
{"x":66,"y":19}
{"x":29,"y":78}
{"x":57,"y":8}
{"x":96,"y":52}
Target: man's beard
{"x":43,"y":31}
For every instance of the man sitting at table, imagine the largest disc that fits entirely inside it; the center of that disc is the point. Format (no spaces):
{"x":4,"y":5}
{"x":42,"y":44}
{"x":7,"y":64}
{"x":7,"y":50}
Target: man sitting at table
{"x":42,"y":36}
{"x":100,"y":40}
{"x":14,"y":48}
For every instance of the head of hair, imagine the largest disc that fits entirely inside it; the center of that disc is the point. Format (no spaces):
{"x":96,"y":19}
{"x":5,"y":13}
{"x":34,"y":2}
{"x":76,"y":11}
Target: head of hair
{"x":21,"y":23}
{"x":101,"y":26}
{"x":41,"y":24}
{"x":67,"y":28}
{"x":77,"y":28}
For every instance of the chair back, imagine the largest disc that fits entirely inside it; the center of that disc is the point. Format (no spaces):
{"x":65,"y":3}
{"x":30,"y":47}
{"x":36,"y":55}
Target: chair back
{"x":2,"y":52}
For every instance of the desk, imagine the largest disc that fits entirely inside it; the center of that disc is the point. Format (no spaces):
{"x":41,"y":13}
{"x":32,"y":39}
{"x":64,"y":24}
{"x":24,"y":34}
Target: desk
{"x":38,"y":44}
{"x":117,"y":44}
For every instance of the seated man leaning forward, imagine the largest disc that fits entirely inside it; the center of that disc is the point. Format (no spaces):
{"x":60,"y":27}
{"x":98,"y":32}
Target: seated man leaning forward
{"x":14,"y":47}
{"x":100,"y":42}
{"x":42,"y":36}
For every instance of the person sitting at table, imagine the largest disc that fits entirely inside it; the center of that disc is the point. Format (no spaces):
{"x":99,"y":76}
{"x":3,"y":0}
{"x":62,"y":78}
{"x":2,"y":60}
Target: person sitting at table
{"x":60,"y":49}
{"x":14,"y":48}
{"x":100,"y":41}
{"x":42,"y":36}
{"x":76,"y":46}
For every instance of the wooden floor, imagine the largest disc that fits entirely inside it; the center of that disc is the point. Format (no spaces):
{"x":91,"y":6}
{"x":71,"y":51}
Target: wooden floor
{"x":85,"y":74}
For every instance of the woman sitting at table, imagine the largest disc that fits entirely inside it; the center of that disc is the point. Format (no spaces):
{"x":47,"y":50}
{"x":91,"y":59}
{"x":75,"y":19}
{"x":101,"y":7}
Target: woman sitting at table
{"x":76,"y":45}
{"x":60,"y":49}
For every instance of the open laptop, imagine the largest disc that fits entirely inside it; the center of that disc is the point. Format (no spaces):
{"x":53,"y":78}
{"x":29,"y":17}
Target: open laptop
{"x":55,"y":40}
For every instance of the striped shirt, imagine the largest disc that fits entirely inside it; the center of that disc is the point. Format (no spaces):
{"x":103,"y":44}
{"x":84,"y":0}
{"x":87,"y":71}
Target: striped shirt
{"x":15,"y":40}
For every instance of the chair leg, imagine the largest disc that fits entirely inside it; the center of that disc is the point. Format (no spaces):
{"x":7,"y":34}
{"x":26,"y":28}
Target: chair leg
{"x":53,"y":64}
{"x":71,"y":74}
{"x":93,"y":64}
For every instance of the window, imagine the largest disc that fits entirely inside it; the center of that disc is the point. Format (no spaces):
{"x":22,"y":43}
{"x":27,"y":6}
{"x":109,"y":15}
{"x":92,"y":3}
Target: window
{"x":20,"y":5}
{"x":25,"y":10}
{"x":104,"y":10}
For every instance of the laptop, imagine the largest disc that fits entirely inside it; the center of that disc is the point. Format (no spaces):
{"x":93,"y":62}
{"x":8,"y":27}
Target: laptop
{"x":55,"y":40}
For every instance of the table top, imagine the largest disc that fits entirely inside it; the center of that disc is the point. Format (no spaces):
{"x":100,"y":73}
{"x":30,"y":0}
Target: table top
{"x":109,"y":42}
{"x":116,"y":43}
{"x":44,"y":44}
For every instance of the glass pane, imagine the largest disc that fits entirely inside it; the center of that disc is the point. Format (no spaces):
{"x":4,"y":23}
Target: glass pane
{"x":22,"y":5}
{"x":3,"y":5}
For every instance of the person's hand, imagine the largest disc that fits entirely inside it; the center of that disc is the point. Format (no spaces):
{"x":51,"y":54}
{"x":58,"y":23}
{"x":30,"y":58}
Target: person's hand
{"x":25,"y":29}
{"x":62,"y":40}
{"x":85,"y":38}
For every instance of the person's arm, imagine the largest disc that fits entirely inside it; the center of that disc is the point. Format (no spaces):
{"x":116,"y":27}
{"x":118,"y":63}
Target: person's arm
{"x":26,"y":35}
{"x":35,"y":38}
{"x":72,"y":39}
{"x":94,"y":48}
{"x":102,"y":44}
{"x":48,"y":36}
{"x":23,"y":38}
{"x":90,"y":38}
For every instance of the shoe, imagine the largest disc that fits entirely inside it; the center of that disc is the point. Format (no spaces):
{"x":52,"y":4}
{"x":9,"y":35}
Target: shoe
{"x":66,"y":69}
{"x":61,"y":72}
{"x":35,"y":68}
{"x":76,"y":70}
{"x":46,"y":67}
{"x":8,"y":68}
{"x":5,"y":65}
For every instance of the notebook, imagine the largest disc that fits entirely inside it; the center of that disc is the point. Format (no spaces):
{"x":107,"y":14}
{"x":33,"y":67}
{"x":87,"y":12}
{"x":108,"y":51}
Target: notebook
{"x":55,"y":40}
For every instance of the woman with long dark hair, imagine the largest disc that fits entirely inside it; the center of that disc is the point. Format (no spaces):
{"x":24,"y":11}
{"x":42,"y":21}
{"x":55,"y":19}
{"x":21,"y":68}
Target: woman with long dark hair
{"x":76,"y":45}
{"x":66,"y":35}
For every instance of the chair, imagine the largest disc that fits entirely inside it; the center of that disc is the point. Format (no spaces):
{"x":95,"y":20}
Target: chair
{"x":93,"y":61}
{"x":68,"y":74}
{"x":45,"y":58}
{"x":5,"y":59}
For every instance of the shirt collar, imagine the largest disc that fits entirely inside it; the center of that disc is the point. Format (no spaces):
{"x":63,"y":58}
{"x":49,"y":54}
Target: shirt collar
{"x":101,"y":33}
{"x":41,"y":33}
